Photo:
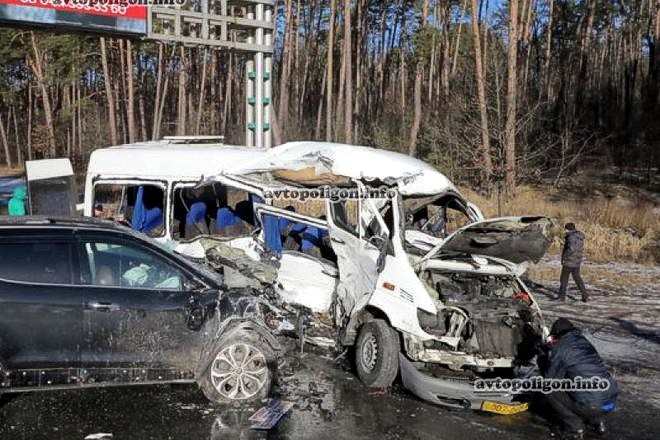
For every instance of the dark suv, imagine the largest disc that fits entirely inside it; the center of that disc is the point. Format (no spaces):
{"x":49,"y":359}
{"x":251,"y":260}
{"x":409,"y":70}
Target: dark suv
{"x":85,"y":302}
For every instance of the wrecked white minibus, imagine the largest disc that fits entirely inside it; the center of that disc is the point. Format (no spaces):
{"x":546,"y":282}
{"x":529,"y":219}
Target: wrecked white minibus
{"x":389,"y":276}
{"x":150,"y":186}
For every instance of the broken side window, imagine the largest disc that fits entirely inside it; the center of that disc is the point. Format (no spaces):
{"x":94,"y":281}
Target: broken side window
{"x":345,"y":215}
{"x":213,"y":209}
{"x":282,"y":233}
{"x":436,"y":216}
{"x":377,"y":230}
{"x":236,"y":217}
{"x":140,"y":206}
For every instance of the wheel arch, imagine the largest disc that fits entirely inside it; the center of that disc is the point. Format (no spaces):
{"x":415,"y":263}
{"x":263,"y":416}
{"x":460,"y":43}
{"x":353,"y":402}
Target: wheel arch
{"x":229,"y":330}
{"x":350,"y":331}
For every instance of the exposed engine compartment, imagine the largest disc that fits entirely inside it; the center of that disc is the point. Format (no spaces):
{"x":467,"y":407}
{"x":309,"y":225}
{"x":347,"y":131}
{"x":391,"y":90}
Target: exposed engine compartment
{"x":487,"y":315}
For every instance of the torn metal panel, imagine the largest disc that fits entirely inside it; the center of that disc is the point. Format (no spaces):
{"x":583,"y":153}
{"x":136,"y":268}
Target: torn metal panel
{"x":219,"y":255}
{"x":311,"y":162}
{"x":311,"y":176}
{"x":359,"y":260}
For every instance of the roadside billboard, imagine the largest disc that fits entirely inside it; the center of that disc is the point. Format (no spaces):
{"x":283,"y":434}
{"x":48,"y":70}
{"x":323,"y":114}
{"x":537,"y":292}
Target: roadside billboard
{"x":107,"y":16}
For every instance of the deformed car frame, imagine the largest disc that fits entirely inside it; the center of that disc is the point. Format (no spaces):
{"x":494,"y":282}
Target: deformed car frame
{"x":406,"y":298}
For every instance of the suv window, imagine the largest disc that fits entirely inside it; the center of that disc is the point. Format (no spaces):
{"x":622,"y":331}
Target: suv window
{"x":122,"y":264}
{"x":36,"y":261}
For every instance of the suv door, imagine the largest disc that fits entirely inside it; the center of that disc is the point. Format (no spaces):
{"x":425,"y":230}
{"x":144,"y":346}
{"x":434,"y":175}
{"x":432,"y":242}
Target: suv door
{"x":137,"y":312}
{"x":40,"y":308}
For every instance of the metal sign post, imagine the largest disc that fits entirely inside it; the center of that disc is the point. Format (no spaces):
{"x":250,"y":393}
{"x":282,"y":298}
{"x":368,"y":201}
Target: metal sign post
{"x":239,"y":25}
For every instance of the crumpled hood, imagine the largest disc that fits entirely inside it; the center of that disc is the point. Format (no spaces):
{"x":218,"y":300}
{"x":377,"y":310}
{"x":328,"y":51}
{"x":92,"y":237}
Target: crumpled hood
{"x":315,"y":163}
{"x":515,"y":239}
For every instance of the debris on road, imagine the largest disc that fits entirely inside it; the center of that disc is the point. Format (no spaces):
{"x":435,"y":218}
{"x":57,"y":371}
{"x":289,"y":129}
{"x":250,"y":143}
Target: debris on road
{"x":379,"y":392}
{"x":267,"y":416}
{"x":99,"y":436}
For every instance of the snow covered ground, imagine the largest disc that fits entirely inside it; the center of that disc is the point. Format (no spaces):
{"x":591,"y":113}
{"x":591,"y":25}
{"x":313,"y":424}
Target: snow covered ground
{"x":622,"y":318}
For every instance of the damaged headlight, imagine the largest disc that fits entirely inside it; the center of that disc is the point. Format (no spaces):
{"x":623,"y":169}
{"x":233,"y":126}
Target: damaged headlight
{"x":427,"y":320}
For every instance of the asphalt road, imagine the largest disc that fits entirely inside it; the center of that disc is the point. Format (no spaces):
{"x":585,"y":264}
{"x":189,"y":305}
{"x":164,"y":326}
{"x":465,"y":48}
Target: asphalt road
{"x":329,"y":401}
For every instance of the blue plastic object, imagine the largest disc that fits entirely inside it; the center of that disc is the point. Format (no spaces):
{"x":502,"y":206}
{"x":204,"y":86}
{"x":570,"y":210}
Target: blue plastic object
{"x":197,"y":213}
{"x":608,"y":407}
{"x":272,"y":237}
{"x":225,"y":217}
{"x":311,"y":238}
{"x":153,"y":219}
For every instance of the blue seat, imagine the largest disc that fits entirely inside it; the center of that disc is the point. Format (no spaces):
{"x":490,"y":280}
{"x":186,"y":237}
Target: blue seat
{"x":153,"y":219}
{"x":197,"y":213}
{"x":196,"y":220}
{"x":283,"y":224}
{"x":225,"y":217}
{"x":145,"y":220}
{"x":311,"y":238}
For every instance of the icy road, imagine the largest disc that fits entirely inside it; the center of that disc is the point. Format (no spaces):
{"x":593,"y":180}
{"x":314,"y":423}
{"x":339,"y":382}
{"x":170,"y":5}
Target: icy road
{"x":623,"y":320}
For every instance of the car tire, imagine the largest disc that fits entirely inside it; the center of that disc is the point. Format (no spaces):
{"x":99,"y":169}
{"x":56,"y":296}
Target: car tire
{"x":377,"y":354}
{"x":241,"y":369}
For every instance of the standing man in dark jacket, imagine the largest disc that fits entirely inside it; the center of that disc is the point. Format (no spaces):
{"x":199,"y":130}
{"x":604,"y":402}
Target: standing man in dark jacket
{"x":571,"y":260}
{"x":570,"y":355}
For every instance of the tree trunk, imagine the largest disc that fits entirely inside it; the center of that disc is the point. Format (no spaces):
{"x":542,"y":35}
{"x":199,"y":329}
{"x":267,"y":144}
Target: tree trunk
{"x":548,"y":51}
{"x":181,"y":102}
{"x":130,"y":107}
{"x":319,"y":112}
{"x":419,"y":76}
{"x":80,"y":123}
{"x":19,"y":150}
{"x":159,"y":79}
{"x":457,"y":42}
{"x":5,"y":144}
{"x":108,"y":93}
{"x":486,"y":164}
{"x":328,"y":96}
{"x":348,"y":100}
{"x":37,"y":67}
{"x":202,"y":91}
{"x":228,"y":94}
{"x":511,"y":100}
{"x":283,"y":111}
{"x":28,"y":135}
{"x":73,"y":116}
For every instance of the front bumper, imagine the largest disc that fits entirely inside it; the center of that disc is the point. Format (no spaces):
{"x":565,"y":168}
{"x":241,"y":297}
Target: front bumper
{"x":456,"y":393}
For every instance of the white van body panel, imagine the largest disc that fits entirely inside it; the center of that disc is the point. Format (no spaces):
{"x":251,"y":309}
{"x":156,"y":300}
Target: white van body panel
{"x":306,"y":281}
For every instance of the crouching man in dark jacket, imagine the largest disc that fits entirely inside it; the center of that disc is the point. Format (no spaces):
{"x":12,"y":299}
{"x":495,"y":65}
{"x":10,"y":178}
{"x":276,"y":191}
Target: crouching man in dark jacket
{"x":570,"y":355}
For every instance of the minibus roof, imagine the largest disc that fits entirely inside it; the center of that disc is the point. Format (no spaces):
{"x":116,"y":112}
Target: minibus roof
{"x":412,"y":176}
{"x":167,"y":160}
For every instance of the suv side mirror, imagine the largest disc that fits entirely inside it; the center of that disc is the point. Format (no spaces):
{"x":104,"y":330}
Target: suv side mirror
{"x":191,"y":285}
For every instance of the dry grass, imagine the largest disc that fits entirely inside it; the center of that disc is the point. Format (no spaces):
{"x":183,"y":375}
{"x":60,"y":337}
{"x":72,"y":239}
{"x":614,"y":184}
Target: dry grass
{"x":617,"y":229}
{"x":6,"y":171}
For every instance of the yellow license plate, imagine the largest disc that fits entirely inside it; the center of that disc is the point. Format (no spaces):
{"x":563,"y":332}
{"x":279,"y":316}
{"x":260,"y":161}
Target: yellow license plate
{"x":504,"y":408}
